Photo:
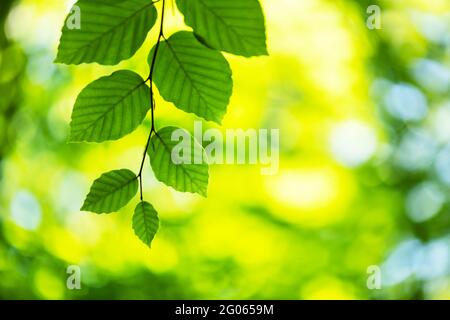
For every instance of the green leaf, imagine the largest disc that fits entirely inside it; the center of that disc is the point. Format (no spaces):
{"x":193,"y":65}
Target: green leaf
{"x":196,"y":79}
{"x":202,"y":41}
{"x":179,"y":161}
{"x":145,"y":222}
{"x":110,"y":31}
{"x":110,"y":108}
{"x":111,"y":191}
{"x":234,"y":26}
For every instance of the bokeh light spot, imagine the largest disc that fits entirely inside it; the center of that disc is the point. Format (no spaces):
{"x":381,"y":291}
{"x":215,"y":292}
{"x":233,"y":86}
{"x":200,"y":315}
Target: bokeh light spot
{"x":25,"y":210}
{"x":352,"y":143}
{"x":424,"y":201}
{"x":406,"y":102}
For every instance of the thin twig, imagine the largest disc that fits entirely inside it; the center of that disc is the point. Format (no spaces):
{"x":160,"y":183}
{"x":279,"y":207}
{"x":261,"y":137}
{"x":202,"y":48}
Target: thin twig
{"x":152,"y":100}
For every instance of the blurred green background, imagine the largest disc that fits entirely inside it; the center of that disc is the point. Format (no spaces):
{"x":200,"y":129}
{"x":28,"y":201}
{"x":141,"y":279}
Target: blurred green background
{"x":364,"y":179}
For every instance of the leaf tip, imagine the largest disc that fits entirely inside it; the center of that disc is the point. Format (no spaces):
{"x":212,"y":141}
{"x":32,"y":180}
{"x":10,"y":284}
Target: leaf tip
{"x":61,"y":60}
{"x":217,"y":120}
{"x":203,"y":193}
{"x":72,"y":138}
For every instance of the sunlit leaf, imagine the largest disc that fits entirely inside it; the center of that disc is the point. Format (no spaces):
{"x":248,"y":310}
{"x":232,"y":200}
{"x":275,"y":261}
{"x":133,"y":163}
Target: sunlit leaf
{"x":234,"y":26}
{"x":109,"y":31}
{"x":145,"y":222}
{"x":179,"y":161}
{"x":196,"y":79}
{"x":110,"y":108}
{"x":111,"y":191}
{"x":202,"y":41}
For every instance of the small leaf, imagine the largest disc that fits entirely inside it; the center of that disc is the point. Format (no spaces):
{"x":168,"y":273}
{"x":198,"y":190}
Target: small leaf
{"x":110,"y":31}
{"x":179,"y":161}
{"x":234,"y":26}
{"x":111,"y":191}
{"x":196,"y":79}
{"x":110,"y":108}
{"x":145,"y":222}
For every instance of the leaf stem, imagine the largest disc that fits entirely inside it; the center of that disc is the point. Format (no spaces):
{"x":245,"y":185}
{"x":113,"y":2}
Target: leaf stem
{"x":152,"y":99}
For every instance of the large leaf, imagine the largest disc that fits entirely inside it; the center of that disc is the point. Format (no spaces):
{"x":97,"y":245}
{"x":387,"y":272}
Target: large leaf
{"x":196,"y":79}
{"x":234,"y":26}
{"x":110,"y":31}
{"x":111,"y":191}
{"x":110,"y":108}
{"x":168,"y":150}
{"x":145,"y":222}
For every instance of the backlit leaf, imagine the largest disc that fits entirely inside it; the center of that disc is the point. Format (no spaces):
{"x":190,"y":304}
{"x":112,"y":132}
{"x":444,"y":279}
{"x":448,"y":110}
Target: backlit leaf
{"x":145,"y":222}
{"x":195,"y":78}
{"x":179,"y":161}
{"x":111,"y":191}
{"x":109,"y":31}
{"x":234,"y":26}
{"x":110,"y":108}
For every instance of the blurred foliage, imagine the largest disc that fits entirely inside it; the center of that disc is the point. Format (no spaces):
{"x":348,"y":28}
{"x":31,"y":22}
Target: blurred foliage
{"x":364,"y":169}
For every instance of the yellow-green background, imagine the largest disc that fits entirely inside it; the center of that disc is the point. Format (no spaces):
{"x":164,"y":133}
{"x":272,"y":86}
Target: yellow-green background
{"x":364,"y":174}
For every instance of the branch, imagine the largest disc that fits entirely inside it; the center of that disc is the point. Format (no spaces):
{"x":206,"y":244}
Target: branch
{"x":152,"y":99}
